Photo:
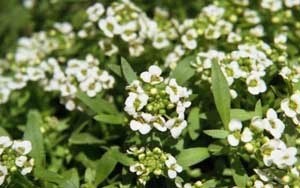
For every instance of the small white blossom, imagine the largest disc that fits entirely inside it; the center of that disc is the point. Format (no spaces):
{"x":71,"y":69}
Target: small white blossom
{"x":173,"y":167}
{"x":95,"y":12}
{"x":3,"y":173}
{"x":22,"y":147}
{"x":273,"y":125}
{"x":255,"y":84}
{"x":152,"y":75}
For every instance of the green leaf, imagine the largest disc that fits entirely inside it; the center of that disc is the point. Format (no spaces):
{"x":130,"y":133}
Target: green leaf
{"x":97,"y":104}
{"x":217,"y":133}
{"x":127,"y":71}
{"x":194,"y":123}
{"x":71,"y":179}
{"x":192,"y":156}
{"x":221,"y":93}
{"x":116,"y":69}
{"x":84,"y":138}
{"x":258,"y":109}
{"x":20,"y":181}
{"x":104,"y":167}
{"x":33,"y":134}
{"x":183,"y":70}
{"x":121,"y":157}
{"x":215,"y":148}
{"x":50,"y":176}
{"x":3,"y":132}
{"x":239,"y":174}
{"x":117,"y":119}
{"x":210,"y":184}
{"x":241,"y":114}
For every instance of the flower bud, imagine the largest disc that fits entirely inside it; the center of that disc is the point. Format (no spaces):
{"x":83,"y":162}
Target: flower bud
{"x":286,"y":179}
{"x":249,"y":147}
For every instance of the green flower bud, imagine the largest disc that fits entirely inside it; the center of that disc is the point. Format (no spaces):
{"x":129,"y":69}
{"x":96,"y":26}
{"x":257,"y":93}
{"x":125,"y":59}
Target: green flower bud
{"x":157,"y":172}
{"x":153,"y":91}
{"x":286,"y":179}
{"x":249,"y":147}
{"x":141,"y":156}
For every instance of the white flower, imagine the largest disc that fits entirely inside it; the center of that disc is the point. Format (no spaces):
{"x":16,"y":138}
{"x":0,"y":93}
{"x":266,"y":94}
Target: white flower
{"x":255,"y":84}
{"x":20,"y":161}
{"x":135,"y":102}
{"x":136,"y":48}
{"x":291,"y":106}
{"x":247,"y":135}
{"x":160,"y":41}
{"x":257,"y":123}
{"x":143,"y":128}
{"x":189,"y":39}
{"x":291,"y":3}
{"x":138,"y":168}
{"x":173,"y":167}
{"x":4,"y":95}
{"x":110,"y":26}
{"x":262,"y":175}
{"x":5,"y":142}
{"x":108,"y":47}
{"x":233,"y":37}
{"x":257,"y":31}
{"x":91,"y":86}
{"x":272,"y":124}
{"x":64,"y":27}
{"x":176,"y":126}
{"x":272,"y":5}
{"x":268,"y":148}
{"x":70,"y":105}
{"x":251,"y":16}
{"x":213,"y":12}
{"x":284,"y":157}
{"x":235,"y":127}
{"x":22,"y":147}
{"x":3,"y":173}
{"x":28,"y":166}
{"x":95,"y":12}
{"x":176,"y":92}
{"x":152,"y":75}
{"x":68,"y":89}
{"x":128,"y":31}
{"x":159,"y":124}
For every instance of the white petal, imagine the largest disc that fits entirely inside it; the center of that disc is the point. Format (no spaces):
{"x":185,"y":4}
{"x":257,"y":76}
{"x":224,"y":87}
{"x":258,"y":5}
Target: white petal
{"x":235,"y":124}
{"x":232,"y":140}
{"x":135,"y":125}
{"x":246,"y":135}
{"x":145,"y":128}
{"x":172,"y":174}
{"x":155,"y":70}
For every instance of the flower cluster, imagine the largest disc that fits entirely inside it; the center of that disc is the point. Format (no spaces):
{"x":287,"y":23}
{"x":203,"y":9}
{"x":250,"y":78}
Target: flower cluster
{"x":126,"y":21}
{"x":248,"y":64}
{"x":33,"y":61}
{"x":272,"y":151}
{"x":153,"y":162}
{"x":152,"y":101}
{"x":83,"y":75}
{"x":13,"y":155}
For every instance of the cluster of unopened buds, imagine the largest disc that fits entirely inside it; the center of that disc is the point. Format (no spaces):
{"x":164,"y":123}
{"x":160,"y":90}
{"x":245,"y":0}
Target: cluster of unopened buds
{"x":14,"y":157}
{"x":153,"y":162}
{"x":152,"y":101}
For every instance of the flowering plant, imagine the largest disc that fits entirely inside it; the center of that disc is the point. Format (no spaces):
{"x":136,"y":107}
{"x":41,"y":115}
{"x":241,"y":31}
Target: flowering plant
{"x":185,"y":94}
